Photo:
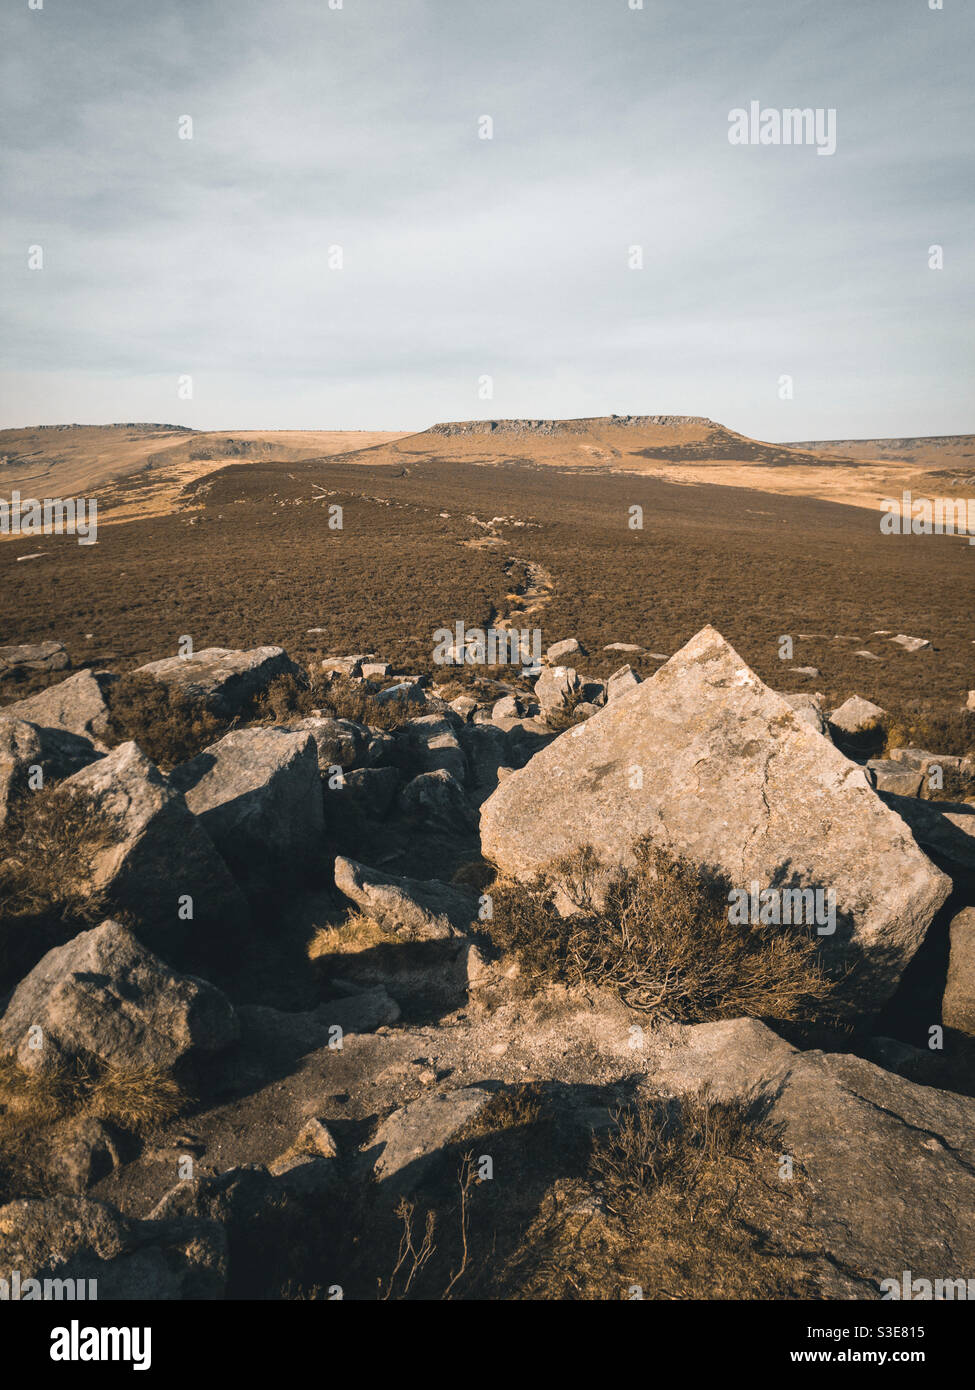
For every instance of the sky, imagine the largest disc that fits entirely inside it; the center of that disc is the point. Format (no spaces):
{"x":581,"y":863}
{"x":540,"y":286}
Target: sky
{"x":485,"y":278}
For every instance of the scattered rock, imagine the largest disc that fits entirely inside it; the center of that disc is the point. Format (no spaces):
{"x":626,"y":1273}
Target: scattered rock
{"x":423,"y":908}
{"x":889,"y":776}
{"x":911,"y":644}
{"x":104,"y":996}
{"x":26,"y":749}
{"x":76,"y":704}
{"x":404,"y":692}
{"x":407,"y":1140}
{"x":620,"y":682}
{"x":161,"y":852}
{"x":857,"y":716}
{"x":623,"y":647}
{"x":257,"y":793}
{"x":225,"y":681}
{"x":37,"y":656}
{"x":339,"y":742}
{"x":558,"y":650}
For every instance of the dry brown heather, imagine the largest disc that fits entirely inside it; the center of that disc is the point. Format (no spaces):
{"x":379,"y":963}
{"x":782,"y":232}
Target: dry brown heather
{"x":252,"y":560}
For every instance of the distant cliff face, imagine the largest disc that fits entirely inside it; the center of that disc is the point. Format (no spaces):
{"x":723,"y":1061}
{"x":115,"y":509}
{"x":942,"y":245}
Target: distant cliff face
{"x":552,"y":427}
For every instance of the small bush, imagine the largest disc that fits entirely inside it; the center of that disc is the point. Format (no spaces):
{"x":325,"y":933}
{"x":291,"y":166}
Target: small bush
{"x":168,"y":727}
{"x":662,"y":941}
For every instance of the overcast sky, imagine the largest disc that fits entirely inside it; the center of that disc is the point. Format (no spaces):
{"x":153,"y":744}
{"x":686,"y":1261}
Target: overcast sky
{"x":467,"y":258}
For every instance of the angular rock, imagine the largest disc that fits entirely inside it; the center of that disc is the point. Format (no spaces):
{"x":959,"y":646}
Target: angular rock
{"x":258,"y":795}
{"x":104,"y":996}
{"x":911,"y":644}
{"x":161,"y":851}
{"x":437,"y":799}
{"x":841,"y":1117}
{"x":555,"y":686}
{"x":366,"y":791}
{"x":27,"y":751}
{"x":934,"y":767}
{"x":889,"y":776}
{"x":944,"y":828}
{"x":424,"y":908}
{"x":339,"y":742}
{"x":36,"y":656}
{"x":958,"y":1004}
{"x":620,"y":682}
{"x":223,"y":680}
{"x":559,"y":650}
{"x":731,"y":779}
{"x":857,"y":716}
{"x":622,"y":647}
{"x":404,"y":692}
{"x":435,"y":746}
{"x":74,"y":1238}
{"x":376,"y":670}
{"x":409,"y":1139}
{"x":76,"y":704}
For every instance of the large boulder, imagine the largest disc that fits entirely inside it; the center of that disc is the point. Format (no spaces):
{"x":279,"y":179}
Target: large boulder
{"x":858,"y":718}
{"x":258,"y":794}
{"x":223,"y":680}
{"x":707,"y":761}
{"x":425,"y":908}
{"x":34,"y":656}
{"x":106,"y":1256}
{"x":945,"y":829}
{"x":104,"y":997}
{"x":160,"y":851}
{"x":26,"y":748}
{"x":885,"y":1163}
{"x":76,"y":704}
{"x":437,"y":800}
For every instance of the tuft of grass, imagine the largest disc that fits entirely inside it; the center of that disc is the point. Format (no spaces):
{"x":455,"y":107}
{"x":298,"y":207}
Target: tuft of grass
{"x":563,"y":716}
{"x":47,"y":848}
{"x":359,"y":932}
{"x":661,"y":940}
{"x":513,"y":1108}
{"x":168,"y":727}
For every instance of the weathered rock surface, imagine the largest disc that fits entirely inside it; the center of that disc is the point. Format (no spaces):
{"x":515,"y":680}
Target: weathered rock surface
{"x":708,"y":761}
{"x":76,"y":704}
{"x":558,"y":651}
{"x":808,"y":708}
{"x":407,"y":1140}
{"x":555,"y":686}
{"x":54,"y":753}
{"x":620,"y":682}
{"x":225,"y":681}
{"x":887,"y":775}
{"x":366,"y":791}
{"x":423,"y":908}
{"x":103,"y":995}
{"x":888,"y":1163}
{"x":857,"y":716}
{"x":436,"y":746}
{"x":34,"y":656}
{"x":958,"y":1005}
{"x":257,"y":793}
{"x":339,"y":742}
{"x":437,"y":799}
{"x":944,"y":828}
{"x":75,"y":1238}
{"x":161,"y":851}
{"x":911,"y":644}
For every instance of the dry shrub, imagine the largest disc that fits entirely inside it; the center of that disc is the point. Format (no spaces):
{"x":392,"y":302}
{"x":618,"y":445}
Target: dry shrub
{"x":513,"y":1108}
{"x":47,"y":848}
{"x":563,"y":716}
{"x":680,"y":1202}
{"x":168,"y":727}
{"x":662,"y":941}
{"x":33,"y":1104}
